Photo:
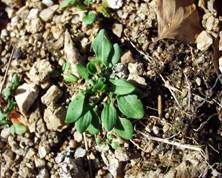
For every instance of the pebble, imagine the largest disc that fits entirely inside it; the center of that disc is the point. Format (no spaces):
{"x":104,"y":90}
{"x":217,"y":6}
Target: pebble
{"x":54,"y":118}
{"x":127,"y":57}
{"x":204,"y":41}
{"x":43,"y":173}
{"x":80,"y":152}
{"x":138,"y":79}
{"x":25,"y":96}
{"x":117,"y":29}
{"x":39,"y":163}
{"x":155,"y":130}
{"x":78,"y":137}
{"x":52,"y":95}
{"x":121,"y":154}
{"x":42,"y":152}
{"x":115,"y":4}
{"x":136,"y":68}
{"x":198,"y":81}
{"x":5,"y":132}
{"x":220,"y":64}
{"x":30,"y":153}
{"x":40,"y":72}
{"x":47,"y":14}
{"x":47,"y":2}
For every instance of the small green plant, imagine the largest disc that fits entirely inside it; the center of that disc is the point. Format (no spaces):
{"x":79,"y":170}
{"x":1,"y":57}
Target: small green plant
{"x":104,"y":102}
{"x":87,"y":7}
{"x":8,"y":115}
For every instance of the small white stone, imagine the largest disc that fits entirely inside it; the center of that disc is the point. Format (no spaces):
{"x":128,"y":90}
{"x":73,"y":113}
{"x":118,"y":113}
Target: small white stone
{"x":155,"y":130}
{"x":43,"y":173}
{"x":25,"y":96}
{"x":47,"y":14}
{"x":77,"y":137}
{"x":47,"y":2}
{"x":5,"y":133}
{"x":33,"y":13}
{"x":198,"y":81}
{"x":52,"y":95}
{"x":115,"y":4}
{"x":80,"y":152}
{"x":117,"y":29}
{"x":220,"y":64}
{"x":204,"y":41}
{"x":42,"y":152}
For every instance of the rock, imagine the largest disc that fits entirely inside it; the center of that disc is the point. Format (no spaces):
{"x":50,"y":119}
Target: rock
{"x":24,"y":171}
{"x":220,"y":64}
{"x":42,"y":152}
{"x":52,"y":95}
{"x":115,"y":4}
{"x":120,"y":71}
{"x":156,"y":130}
{"x":40,"y":72}
{"x":220,"y":42}
{"x":33,"y":13}
{"x":5,"y":133}
{"x":121,"y":154}
{"x":71,"y":53}
{"x":136,"y":68}
{"x":127,"y":57}
{"x":47,"y":14}
{"x":10,"y":12}
{"x":34,"y":25}
{"x":12,"y":3}
{"x":30,"y":153}
{"x":25,"y":96}
{"x":117,"y":29}
{"x":212,"y":24}
{"x":47,"y":2}
{"x":39,"y":163}
{"x":80,"y":152}
{"x":204,"y":41}
{"x":137,"y":79}
{"x":43,"y":173}
{"x":68,"y":168}
{"x":32,"y":120}
{"x":54,"y":118}
{"x":78,"y":137}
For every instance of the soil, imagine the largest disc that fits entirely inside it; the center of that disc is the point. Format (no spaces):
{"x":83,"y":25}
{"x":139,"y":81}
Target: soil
{"x":181,"y":133}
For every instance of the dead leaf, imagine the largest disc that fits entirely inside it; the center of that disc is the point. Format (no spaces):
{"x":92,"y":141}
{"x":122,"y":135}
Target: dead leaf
{"x":16,"y":118}
{"x":178,"y":19}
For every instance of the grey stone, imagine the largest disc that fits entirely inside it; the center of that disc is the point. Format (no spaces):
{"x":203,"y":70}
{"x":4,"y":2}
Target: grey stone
{"x":117,"y":29}
{"x":47,"y":14}
{"x":25,"y":96}
{"x":80,"y":152}
{"x":204,"y":41}
{"x":52,"y":95}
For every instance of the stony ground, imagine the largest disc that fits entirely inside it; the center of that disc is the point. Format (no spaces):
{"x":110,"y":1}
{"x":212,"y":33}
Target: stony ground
{"x":181,"y":133}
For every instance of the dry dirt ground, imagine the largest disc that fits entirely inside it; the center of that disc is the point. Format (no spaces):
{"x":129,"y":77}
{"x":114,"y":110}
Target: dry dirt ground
{"x":181,"y":133}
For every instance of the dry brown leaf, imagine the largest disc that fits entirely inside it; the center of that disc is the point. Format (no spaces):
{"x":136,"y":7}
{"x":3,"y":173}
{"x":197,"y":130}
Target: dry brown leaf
{"x":16,"y":118}
{"x":178,"y":19}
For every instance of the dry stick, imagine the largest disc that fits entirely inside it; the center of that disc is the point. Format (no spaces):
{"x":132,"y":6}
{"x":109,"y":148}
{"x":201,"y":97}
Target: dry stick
{"x":177,"y":144}
{"x":7,"y":69}
{"x":87,"y":151}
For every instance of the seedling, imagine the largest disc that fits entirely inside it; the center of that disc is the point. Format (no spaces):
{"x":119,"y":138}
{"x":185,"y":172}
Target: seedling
{"x":90,"y":11}
{"x":7,"y":108}
{"x":104,"y":103}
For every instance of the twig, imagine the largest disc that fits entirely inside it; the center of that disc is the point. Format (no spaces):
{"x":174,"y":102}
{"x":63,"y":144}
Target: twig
{"x":7,"y":69}
{"x":137,"y":145}
{"x":87,"y":151}
{"x":177,"y":144}
{"x":160,"y":106}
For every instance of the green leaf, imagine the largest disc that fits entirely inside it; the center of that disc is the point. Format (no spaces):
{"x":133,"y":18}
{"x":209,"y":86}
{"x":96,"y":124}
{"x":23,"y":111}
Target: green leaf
{"x":88,"y":2}
{"x":89,"y":18}
{"x":108,"y":116}
{"x":124,"y":128}
{"x":84,"y":121}
{"x":131,"y":106}
{"x":15,"y":81}
{"x":114,"y":144}
{"x":66,"y":67}
{"x":103,"y":9}
{"x":91,"y":67}
{"x":102,"y":47}
{"x":94,"y":127}
{"x":6,"y":93}
{"x":116,"y":55}
{"x":122,"y":87}
{"x":75,"y":109}
{"x":100,"y":85}
{"x":2,"y":116}
{"x":67,"y":3}
{"x":83,"y":71}
{"x":10,"y":106}
{"x":70,"y":78}
{"x":17,"y":129}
